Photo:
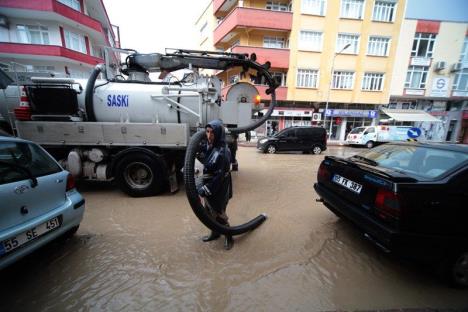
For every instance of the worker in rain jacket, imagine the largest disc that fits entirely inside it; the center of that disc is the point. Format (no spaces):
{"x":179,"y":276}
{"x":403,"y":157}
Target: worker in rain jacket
{"x":216,"y":186}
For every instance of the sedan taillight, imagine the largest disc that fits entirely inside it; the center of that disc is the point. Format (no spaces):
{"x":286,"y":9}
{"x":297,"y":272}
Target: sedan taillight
{"x":323,"y":172}
{"x":70,"y":182}
{"x":387,"y":204}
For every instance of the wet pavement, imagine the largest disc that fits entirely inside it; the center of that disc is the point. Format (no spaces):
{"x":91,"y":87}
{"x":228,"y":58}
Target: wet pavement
{"x":145,"y":254}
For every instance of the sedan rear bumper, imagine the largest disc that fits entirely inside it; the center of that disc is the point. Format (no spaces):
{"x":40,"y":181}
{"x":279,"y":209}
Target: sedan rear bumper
{"x":390,"y":240}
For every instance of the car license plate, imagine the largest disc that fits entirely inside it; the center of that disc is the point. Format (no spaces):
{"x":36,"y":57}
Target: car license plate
{"x":350,"y":185}
{"x":16,"y":241}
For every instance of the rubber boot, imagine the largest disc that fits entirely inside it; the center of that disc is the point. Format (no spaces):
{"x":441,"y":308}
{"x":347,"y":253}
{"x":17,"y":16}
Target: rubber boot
{"x":235,"y":166}
{"x":211,"y":237}
{"x":228,"y":242}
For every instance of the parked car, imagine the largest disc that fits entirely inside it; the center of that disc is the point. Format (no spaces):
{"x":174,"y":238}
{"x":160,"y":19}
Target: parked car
{"x":306,"y":139}
{"x":410,"y":199}
{"x":39,"y":201}
{"x":373,"y":135}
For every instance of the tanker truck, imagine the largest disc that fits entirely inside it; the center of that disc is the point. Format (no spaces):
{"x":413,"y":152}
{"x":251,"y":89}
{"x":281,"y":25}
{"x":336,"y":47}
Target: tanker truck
{"x":121,"y":125}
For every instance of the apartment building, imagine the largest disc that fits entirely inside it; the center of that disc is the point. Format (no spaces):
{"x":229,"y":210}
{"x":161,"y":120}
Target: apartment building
{"x":431,"y":74}
{"x":334,"y":54}
{"x":62,"y":37}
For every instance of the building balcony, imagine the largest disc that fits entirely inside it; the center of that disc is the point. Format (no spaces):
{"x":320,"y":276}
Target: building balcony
{"x":241,"y":18}
{"x":279,"y":58}
{"x":223,"y":5}
{"x":49,"y":10}
{"x":281,"y":92}
{"x":46,"y":52}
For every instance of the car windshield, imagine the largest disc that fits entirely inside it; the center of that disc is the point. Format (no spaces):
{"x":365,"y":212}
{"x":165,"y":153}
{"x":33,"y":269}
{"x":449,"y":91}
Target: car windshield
{"x":416,"y":161}
{"x":357,"y":130}
{"x":17,"y":158}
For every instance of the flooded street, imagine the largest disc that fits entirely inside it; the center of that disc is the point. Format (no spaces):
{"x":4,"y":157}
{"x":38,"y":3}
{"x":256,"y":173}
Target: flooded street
{"x":146,"y":254}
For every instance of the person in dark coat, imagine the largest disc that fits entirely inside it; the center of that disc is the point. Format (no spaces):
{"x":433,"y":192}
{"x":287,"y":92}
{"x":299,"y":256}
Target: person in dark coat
{"x":216,"y":186}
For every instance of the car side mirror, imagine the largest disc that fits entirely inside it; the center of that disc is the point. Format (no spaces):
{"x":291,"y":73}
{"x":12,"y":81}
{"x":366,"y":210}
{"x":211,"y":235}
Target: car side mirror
{"x":365,"y":132}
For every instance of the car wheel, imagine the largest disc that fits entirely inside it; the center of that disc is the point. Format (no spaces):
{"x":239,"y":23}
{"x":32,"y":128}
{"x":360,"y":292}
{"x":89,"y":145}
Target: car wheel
{"x":140,"y":175}
{"x":370,"y":144}
{"x":271,"y":149}
{"x":69,"y":234}
{"x":316,"y":150}
{"x":459,"y":270}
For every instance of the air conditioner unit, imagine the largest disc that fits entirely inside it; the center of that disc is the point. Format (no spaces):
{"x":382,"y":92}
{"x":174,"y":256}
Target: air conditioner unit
{"x":316,"y":117}
{"x":456,"y":67}
{"x":440,"y":65}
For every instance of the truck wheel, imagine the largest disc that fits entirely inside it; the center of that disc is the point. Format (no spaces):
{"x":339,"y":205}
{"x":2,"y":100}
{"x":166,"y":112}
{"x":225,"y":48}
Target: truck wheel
{"x":370,"y":144}
{"x":140,"y":175}
{"x":316,"y":150}
{"x":271,"y":149}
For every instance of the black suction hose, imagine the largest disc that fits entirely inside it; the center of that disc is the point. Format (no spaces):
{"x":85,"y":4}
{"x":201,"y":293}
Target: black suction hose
{"x":89,"y":92}
{"x":194,"y":199}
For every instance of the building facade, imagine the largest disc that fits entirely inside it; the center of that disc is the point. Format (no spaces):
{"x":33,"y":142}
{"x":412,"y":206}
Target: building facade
{"x":431,"y":74}
{"x":336,"y":54}
{"x":63,"y":37}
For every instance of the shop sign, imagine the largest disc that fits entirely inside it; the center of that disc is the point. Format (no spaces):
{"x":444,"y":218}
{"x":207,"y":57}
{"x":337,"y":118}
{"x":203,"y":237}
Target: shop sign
{"x":440,"y":87}
{"x":414,"y":91}
{"x":351,"y":113}
{"x":420,"y":61}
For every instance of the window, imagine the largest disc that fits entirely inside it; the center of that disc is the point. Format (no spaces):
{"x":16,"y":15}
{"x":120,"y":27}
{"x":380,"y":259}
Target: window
{"x":423,"y":45}
{"x":75,"y":41}
{"x":29,"y":156}
{"x":43,"y":68}
{"x":461,"y":80}
{"x":344,"y":39}
{"x":307,"y":78}
{"x":316,"y":7}
{"x":378,"y":46}
{"x":203,"y":30}
{"x":416,"y":77}
{"x":273,"y":42}
{"x":34,"y":34}
{"x":352,"y":8}
{"x":278,"y":6}
{"x":74,"y":4}
{"x":310,"y":40}
{"x":384,"y":11}
{"x":343,"y":80}
{"x":464,"y":53}
{"x":279,"y":77}
{"x":372,"y":82}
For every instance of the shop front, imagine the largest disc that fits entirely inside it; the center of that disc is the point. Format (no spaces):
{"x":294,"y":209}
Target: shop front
{"x":339,"y":122}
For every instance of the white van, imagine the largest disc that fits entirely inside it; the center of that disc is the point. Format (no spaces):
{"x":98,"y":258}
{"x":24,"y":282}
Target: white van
{"x":372,"y":135}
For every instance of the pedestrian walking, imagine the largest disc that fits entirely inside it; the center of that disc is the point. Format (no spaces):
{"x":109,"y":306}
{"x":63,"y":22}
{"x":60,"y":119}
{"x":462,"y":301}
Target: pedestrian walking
{"x":247,"y":136}
{"x":216,"y":186}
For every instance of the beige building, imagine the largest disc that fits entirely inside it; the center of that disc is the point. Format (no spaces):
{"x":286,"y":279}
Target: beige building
{"x":431,"y":74}
{"x":338,"y":54}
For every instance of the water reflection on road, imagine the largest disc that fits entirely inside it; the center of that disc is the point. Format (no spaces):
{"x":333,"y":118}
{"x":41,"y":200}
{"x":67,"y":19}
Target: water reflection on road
{"x":146,"y":254}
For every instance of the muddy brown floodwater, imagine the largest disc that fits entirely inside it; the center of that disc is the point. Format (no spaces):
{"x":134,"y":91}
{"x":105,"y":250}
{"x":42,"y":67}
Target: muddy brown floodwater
{"x":145,"y":254}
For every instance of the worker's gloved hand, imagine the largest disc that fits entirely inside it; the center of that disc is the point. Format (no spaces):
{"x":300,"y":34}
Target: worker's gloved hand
{"x":203,"y":191}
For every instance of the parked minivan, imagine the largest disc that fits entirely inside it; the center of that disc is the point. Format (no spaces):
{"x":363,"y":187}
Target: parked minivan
{"x":306,"y":139}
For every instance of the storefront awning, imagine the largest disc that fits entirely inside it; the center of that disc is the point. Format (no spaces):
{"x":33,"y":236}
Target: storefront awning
{"x":409,"y":115}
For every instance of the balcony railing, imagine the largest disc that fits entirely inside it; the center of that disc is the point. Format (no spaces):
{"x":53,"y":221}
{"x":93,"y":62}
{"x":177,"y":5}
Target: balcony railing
{"x":253,"y":18}
{"x":279,"y":58}
{"x":56,"y":7}
{"x":48,"y":50}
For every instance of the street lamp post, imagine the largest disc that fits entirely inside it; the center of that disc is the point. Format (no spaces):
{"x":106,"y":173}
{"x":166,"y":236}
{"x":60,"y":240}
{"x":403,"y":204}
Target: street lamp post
{"x":329,"y":88}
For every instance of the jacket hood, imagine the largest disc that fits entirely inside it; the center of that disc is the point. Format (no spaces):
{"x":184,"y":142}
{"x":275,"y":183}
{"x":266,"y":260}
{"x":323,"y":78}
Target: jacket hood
{"x":218,"y":130}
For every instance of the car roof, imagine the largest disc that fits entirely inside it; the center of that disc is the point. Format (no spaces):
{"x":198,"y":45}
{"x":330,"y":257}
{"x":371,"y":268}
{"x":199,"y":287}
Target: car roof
{"x":444,"y":146}
{"x":12,"y":139}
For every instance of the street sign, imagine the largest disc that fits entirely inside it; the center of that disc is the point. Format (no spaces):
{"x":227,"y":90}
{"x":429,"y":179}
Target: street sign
{"x":414,"y":133}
